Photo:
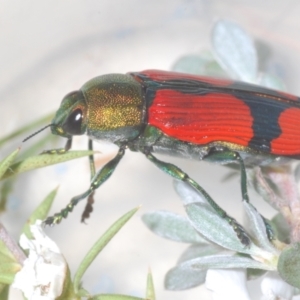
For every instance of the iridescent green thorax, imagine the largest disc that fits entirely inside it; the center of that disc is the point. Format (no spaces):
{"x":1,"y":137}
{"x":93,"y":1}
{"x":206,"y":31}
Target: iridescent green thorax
{"x":115,"y":107}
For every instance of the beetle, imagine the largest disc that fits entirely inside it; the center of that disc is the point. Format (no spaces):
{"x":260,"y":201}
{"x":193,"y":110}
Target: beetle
{"x":182,"y":115}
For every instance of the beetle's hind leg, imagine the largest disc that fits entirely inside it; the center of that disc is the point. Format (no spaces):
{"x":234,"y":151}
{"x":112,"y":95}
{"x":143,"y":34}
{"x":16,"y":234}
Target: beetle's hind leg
{"x":228,"y":156}
{"x":178,"y":174}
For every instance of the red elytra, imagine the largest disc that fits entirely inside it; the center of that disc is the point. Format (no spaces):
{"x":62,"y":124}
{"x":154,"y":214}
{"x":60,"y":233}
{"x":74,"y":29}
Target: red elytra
{"x":201,"y":119}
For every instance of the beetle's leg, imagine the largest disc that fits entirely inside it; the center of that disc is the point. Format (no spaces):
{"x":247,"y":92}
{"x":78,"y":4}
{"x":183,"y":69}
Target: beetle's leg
{"x":227,"y":156}
{"x":90,"y":201}
{"x":98,"y":180}
{"x":60,"y":150}
{"x":177,"y":173}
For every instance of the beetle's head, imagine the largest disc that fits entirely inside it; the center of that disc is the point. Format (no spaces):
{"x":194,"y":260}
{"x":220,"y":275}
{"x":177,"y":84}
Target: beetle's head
{"x":70,"y":119}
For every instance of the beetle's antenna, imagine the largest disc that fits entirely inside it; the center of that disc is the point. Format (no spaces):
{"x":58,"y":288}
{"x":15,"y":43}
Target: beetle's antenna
{"x":49,"y":125}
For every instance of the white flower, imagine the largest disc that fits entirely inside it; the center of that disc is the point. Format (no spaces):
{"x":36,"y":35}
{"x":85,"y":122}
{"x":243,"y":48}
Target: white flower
{"x":44,"y":271}
{"x":273,"y":287}
{"x":227,"y":284}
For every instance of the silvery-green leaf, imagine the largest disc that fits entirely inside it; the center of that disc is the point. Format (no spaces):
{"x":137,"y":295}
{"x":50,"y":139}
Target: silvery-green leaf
{"x":264,"y":186}
{"x":172,"y":226}
{"x":271,"y":81}
{"x":289,"y":265}
{"x":258,"y":228}
{"x":192,"y":273}
{"x":282,"y":228}
{"x":191,"y":64}
{"x":187,"y":193}
{"x":216,"y":229}
{"x":199,"y":65}
{"x":199,"y":250}
{"x":184,"y":277}
{"x":234,"y":50}
{"x":224,"y":262}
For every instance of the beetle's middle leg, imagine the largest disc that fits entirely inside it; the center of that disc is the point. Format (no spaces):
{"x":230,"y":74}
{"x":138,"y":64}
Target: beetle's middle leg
{"x":177,"y":173}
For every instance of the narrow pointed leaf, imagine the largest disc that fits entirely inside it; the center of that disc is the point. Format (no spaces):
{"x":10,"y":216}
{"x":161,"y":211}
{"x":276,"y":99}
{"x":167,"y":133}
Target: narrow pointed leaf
{"x":172,"y":226}
{"x":114,"y":297}
{"x":8,"y":272}
{"x":4,"y":291}
{"x":40,"y":213}
{"x":43,"y":160}
{"x":99,"y":245}
{"x":150,"y":293}
{"x":29,"y":127}
{"x":5,"y":163}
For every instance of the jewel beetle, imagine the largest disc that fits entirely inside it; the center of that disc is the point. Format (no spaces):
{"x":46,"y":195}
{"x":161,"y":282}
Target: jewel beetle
{"x":183,"y":115}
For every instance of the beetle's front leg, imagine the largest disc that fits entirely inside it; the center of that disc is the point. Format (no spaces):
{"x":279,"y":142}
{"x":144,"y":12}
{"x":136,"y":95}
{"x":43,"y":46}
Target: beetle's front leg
{"x":60,"y":150}
{"x":98,"y":180}
{"x":90,"y":201}
{"x":178,"y":174}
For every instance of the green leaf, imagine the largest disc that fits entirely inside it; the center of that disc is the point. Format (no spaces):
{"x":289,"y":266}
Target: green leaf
{"x":43,"y":160}
{"x":5,"y":189}
{"x":282,"y":228}
{"x":40,"y":213}
{"x":150,"y":292}
{"x":99,"y":245}
{"x":114,"y":297}
{"x":172,"y":226}
{"x":289,"y":265}
{"x":235,"y":50}
{"x":10,"y":256}
{"x":8,"y":271}
{"x":5,"y":163}
{"x":4,"y":291}
{"x":29,"y":127}
{"x":68,"y":289}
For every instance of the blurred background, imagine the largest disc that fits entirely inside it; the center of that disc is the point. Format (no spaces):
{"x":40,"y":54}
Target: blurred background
{"x":49,"y":48}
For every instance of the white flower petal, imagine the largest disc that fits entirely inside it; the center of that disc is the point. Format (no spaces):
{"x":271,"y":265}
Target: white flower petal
{"x":273,"y":287}
{"x":229,"y":284}
{"x":44,"y":271}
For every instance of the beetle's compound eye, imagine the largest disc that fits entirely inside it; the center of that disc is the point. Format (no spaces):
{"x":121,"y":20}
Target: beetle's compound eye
{"x":73,"y":123}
